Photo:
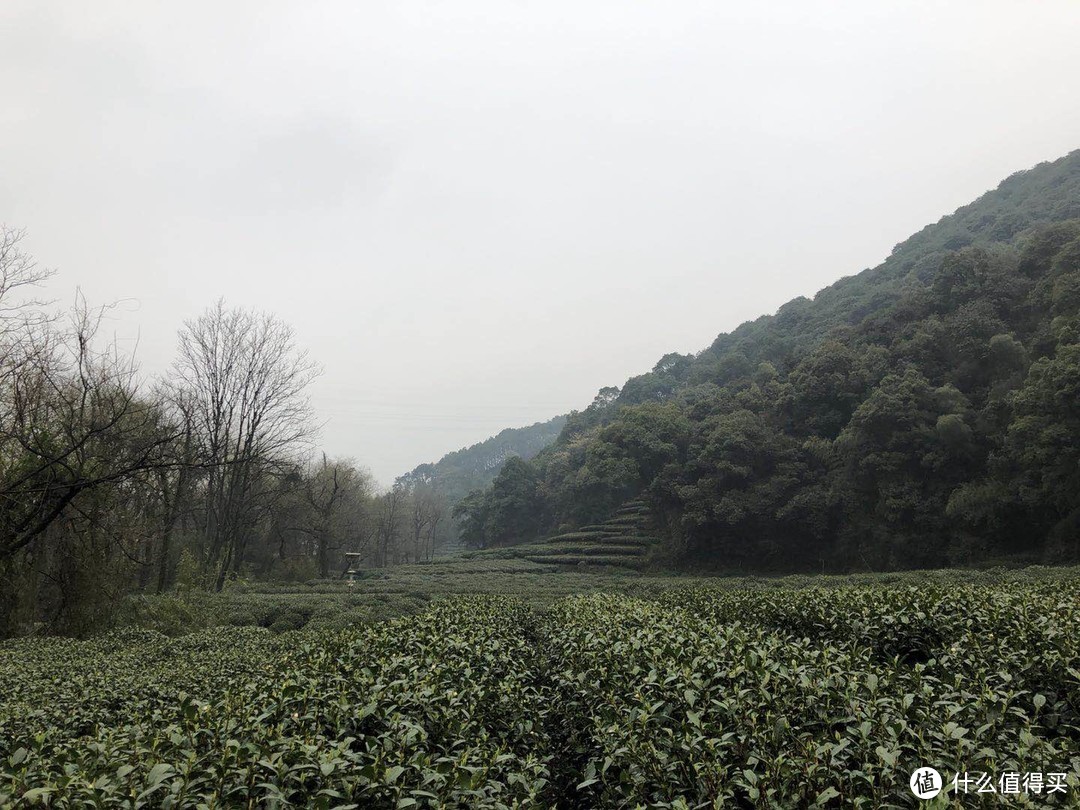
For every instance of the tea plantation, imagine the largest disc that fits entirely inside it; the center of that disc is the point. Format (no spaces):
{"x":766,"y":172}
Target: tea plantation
{"x":666,"y":694}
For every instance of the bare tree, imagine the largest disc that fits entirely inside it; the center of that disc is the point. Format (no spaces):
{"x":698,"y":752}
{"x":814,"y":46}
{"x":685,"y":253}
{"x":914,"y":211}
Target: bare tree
{"x":246,"y":381}
{"x":71,"y":421}
{"x":19,"y":271}
{"x":390,"y":512}
{"x":335,"y":494}
{"x":426,"y":511}
{"x":174,"y":485}
{"x":78,"y":440}
{"x":437,"y":513}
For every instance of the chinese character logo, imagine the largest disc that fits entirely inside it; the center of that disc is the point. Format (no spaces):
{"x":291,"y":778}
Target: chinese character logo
{"x":926,"y":783}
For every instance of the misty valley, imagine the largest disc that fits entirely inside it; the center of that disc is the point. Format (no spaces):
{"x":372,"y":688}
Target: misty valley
{"x":714,"y":586}
{"x":528,"y":406}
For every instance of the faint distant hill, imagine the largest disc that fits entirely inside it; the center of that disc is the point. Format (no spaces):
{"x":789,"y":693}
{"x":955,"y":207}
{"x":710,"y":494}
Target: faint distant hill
{"x":457,"y":474}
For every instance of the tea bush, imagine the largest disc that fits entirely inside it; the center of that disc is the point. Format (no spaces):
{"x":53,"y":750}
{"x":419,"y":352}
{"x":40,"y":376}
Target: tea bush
{"x":683,"y":695}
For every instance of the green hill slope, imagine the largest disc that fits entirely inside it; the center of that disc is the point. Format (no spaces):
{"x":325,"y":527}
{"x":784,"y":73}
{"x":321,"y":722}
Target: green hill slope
{"x":457,"y":474}
{"x":924,"y":412}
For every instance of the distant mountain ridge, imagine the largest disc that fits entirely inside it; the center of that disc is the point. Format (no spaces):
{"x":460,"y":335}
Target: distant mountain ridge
{"x":922,"y":412}
{"x":458,"y":473}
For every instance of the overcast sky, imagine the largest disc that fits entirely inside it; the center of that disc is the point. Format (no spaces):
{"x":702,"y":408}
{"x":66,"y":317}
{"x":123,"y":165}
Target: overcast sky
{"x":476,"y":214}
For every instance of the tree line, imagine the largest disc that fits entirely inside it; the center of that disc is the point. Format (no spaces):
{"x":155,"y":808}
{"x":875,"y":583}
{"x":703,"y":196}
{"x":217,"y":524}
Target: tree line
{"x":111,"y":483}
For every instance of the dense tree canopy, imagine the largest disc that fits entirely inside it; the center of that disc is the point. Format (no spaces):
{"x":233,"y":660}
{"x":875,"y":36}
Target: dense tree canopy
{"x":925,"y":412}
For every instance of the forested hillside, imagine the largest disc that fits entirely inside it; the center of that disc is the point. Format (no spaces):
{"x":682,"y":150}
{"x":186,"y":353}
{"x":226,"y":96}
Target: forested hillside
{"x":456,"y":474}
{"x":924,"y":412}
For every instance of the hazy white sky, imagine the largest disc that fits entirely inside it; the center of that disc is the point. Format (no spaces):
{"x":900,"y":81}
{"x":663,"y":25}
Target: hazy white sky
{"x":476,"y":214}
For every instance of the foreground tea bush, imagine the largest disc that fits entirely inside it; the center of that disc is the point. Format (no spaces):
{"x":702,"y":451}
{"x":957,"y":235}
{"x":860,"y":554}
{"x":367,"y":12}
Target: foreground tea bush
{"x":814,"y":698}
{"x":695,"y":697}
{"x":441,"y":709}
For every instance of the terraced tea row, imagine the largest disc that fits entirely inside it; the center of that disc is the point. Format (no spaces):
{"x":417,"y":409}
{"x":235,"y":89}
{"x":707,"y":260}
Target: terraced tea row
{"x":623,"y":541}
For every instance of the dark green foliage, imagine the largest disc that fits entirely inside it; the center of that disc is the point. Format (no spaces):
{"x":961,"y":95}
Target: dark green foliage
{"x":510,"y":512}
{"x":923,"y":413}
{"x":440,"y":710}
{"x":812,"y":698}
{"x":1043,"y":445}
{"x":684,"y":695}
{"x":457,"y":474}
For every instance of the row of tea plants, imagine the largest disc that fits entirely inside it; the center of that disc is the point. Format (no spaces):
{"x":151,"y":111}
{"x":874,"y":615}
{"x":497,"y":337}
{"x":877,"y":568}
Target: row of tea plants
{"x":695,"y":697}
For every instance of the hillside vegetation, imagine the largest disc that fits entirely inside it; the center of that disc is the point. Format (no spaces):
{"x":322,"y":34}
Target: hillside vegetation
{"x":457,"y":474}
{"x":922,"y":413}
